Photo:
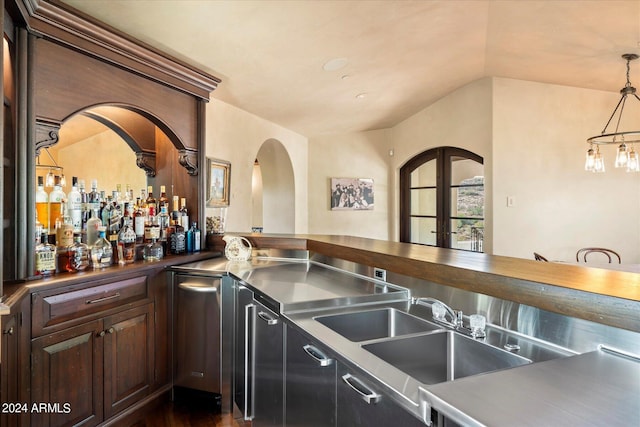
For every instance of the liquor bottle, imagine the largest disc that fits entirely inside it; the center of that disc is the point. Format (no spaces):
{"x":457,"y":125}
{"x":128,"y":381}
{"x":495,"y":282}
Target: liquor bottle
{"x":107,"y":206}
{"x":126,"y":243}
{"x":153,"y":251}
{"x":184,"y":214}
{"x":78,"y":255}
{"x":139,"y":218}
{"x":74,"y":206}
{"x":93,"y":224}
{"x":189,"y":240}
{"x":45,"y":257}
{"x":163,"y":222}
{"x":114,"y":219}
{"x":152,"y":204}
{"x":175,"y":213}
{"x":163,"y":200}
{"x":84,"y":197}
{"x":64,"y":230}
{"x":56,"y":198}
{"x":151,"y":229}
{"x":94,"y":199}
{"x":101,"y":251}
{"x":178,"y":240}
{"x":42,"y":205}
{"x":195,"y":237}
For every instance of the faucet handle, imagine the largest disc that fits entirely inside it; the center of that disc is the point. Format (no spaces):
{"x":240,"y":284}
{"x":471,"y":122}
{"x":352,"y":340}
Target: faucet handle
{"x":438,"y":311}
{"x":477,"y":324}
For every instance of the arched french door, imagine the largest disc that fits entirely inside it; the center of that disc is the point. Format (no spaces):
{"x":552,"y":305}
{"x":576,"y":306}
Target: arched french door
{"x":442,"y":199}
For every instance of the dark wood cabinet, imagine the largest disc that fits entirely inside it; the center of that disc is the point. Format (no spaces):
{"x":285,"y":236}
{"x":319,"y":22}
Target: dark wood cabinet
{"x":10,"y":364}
{"x":95,"y":370}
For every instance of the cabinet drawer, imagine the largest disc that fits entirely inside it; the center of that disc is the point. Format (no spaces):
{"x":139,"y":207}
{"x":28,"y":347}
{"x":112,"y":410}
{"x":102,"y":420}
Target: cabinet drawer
{"x":54,"y":307}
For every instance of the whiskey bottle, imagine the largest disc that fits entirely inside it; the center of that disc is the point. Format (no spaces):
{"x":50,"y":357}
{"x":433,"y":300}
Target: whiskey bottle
{"x":56,"y":198}
{"x":139,"y":218}
{"x":45,"y":254}
{"x":126,"y":243}
{"x":153,"y":251}
{"x":152,"y":204}
{"x":163,"y":200}
{"x":101,"y":251}
{"x":184,"y":214}
{"x":175,"y":213}
{"x":78,"y":255}
{"x":42,"y":205}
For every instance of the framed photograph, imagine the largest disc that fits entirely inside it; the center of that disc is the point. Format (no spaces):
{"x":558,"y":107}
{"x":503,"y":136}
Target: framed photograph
{"x":218,"y":182}
{"x":351,"y":194}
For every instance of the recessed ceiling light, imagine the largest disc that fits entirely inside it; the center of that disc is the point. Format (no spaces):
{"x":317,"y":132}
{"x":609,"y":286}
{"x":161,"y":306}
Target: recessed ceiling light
{"x":335,"y":64}
{"x":345,"y":77}
{"x":361,"y":95}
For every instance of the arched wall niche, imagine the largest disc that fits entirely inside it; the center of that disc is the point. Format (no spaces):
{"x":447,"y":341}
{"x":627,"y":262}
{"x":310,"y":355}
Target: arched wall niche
{"x":278,"y":188}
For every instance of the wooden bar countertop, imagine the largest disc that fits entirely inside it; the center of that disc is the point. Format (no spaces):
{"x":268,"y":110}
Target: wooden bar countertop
{"x":604,"y":296}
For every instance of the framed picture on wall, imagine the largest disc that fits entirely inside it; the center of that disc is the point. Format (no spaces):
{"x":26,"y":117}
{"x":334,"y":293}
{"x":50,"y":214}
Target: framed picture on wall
{"x":351,"y":194}
{"x":218,"y":182}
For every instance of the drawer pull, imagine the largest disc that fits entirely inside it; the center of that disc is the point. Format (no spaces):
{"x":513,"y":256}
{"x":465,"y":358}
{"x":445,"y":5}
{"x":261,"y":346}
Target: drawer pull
{"x":365,"y":393}
{"x":267,"y":318}
{"x":97,"y":300}
{"x":317,"y":355}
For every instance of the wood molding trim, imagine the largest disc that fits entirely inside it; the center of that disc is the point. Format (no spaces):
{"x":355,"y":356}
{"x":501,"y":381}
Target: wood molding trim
{"x":47,"y":133}
{"x":54,"y":20}
{"x":188,"y":159}
{"x":146,"y":160}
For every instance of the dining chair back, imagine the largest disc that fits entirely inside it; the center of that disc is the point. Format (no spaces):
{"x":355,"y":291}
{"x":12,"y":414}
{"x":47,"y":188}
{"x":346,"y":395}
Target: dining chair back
{"x":609,"y":253}
{"x":539,"y":257}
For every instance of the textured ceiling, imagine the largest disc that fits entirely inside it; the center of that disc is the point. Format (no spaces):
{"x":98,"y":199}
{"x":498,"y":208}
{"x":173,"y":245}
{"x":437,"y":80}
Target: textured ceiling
{"x":403,"y":54}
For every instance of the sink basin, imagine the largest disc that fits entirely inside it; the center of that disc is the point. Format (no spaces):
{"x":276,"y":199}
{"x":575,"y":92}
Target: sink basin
{"x":443,"y":356}
{"x":374,"y":324}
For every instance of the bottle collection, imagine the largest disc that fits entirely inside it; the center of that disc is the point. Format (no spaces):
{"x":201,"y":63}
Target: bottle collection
{"x":95,"y":230}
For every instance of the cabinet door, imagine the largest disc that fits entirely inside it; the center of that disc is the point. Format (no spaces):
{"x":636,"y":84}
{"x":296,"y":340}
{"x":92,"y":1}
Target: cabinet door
{"x":67,"y":370}
{"x":268,"y":377}
{"x":310,"y":375}
{"x":128,"y":358}
{"x":9,"y":371}
{"x":361,"y":403}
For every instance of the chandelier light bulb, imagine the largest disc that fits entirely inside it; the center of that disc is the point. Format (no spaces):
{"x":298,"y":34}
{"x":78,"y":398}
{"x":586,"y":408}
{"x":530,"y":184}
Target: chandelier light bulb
{"x":633,"y":164}
{"x":598,"y":164}
{"x":622,"y":156}
{"x":49,"y":180}
{"x":590,"y":160}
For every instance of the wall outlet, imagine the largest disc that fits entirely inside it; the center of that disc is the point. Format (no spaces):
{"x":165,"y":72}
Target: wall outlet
{"x":380,"y":274}
{"x":511,"y":201}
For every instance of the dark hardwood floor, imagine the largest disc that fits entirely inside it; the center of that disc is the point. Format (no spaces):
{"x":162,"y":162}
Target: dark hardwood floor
{"x":181,"y":414}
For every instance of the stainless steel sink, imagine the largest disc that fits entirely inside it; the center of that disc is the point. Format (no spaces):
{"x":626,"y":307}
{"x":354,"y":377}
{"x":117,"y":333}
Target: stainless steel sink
{"x":443,"y":356}
{"x":374,"y":324}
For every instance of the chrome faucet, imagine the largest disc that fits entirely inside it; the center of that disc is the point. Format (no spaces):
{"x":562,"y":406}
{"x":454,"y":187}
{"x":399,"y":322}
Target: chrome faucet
{"x":439,"y":310}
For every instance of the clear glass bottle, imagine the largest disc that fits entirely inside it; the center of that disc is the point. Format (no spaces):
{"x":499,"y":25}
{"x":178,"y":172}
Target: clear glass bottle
{"x":101,"y":251}
{"x":74,"y":205}
{"x":126,"y":243}
{"x":45,"y":257}
{"x":151,"y":229}
{"x":153,"y":251}
{"x":94,"y":198}
{"x":163,"y":222}
{"x":78,"y":255}
{"x":42,"y":205}
{"x":93,"y":225}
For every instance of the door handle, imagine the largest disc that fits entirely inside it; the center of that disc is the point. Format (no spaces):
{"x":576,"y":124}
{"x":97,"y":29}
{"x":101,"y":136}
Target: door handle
{"x":365,"y":392}
{"x":317,"y":355}
{"x":268,"y":318}
{"x":249,"y":365}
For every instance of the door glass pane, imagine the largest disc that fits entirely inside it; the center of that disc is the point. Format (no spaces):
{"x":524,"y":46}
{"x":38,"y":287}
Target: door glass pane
{"x":423,"y":231}
{"x":467,"y":234}
{"x":464,"y":169}
{"x":467,"y":202}
{"x":423,"y":201}
{"x":424,"y":175}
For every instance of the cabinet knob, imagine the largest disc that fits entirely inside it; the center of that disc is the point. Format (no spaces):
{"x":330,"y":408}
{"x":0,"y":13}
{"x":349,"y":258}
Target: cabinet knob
{"x":9,"y":331}
{"x":111,"y":330}
{"x":102,"y":333}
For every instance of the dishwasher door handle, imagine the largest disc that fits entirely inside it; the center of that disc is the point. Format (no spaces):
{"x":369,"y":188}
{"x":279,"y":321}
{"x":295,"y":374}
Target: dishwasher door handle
{"x":317,"y":355}
{"x":197,"y":287}
{"x":365,"y":393}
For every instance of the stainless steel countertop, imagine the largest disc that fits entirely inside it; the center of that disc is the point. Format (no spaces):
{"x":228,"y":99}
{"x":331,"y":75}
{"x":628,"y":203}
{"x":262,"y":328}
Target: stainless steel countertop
{"x":596,"y":388}
{"x":589,"y":389}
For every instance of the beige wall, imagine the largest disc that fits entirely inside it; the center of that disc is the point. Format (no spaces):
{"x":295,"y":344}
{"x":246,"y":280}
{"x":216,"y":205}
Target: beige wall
{"x":236,"y":136}
{"x":353,"y":155}
{"x":539,"y":149}
{"x":531,"y":136}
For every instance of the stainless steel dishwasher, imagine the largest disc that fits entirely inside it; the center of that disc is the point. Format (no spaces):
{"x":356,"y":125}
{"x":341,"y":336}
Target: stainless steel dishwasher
{"x":197,"y":335}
